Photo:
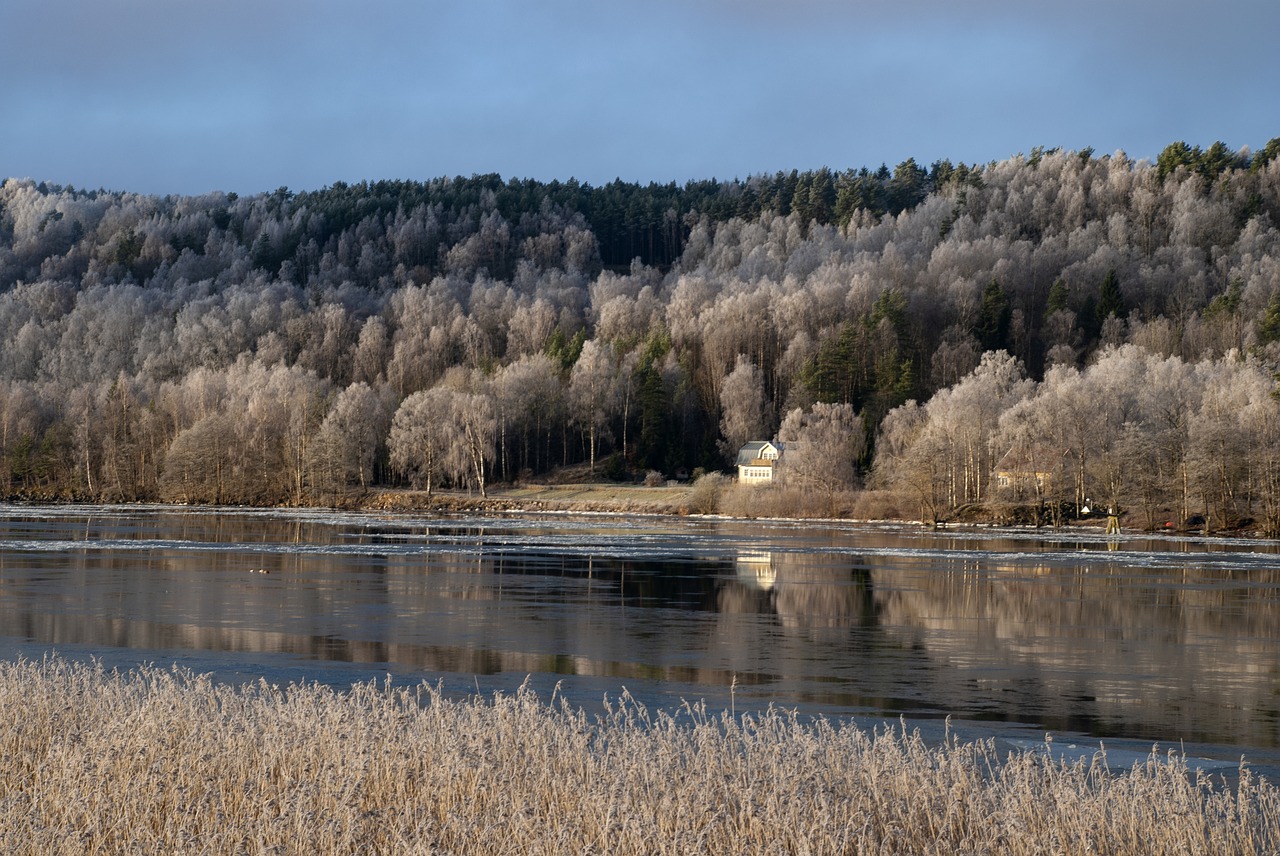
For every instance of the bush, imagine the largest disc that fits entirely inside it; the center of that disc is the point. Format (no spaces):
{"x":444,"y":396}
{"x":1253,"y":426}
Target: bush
{"x":879,"y":505}
{"x":614,"y":468}
{"x":779,"y":500}
{"x":705,"y":496}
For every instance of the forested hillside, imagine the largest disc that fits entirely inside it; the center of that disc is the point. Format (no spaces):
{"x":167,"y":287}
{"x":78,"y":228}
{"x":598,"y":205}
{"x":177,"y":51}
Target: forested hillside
{"x":287,"y":347}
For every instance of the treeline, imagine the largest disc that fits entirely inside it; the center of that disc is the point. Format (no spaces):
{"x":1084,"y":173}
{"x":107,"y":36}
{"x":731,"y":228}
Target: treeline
{"x":628,"y":221}
{"x":1170,"y":441}
{"x":285,"y":347}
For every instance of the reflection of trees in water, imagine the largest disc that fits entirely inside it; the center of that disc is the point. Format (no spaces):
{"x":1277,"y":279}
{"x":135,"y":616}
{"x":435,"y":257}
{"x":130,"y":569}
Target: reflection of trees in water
{"x":1171,"y":648}
{"x":1109,"y":603}
{"x":809,"y":608}
{"x":810,"y":593}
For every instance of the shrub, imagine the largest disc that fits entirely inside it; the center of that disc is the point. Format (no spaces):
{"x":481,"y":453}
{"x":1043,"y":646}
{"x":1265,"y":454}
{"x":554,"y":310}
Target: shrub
{"x":705,"y":496}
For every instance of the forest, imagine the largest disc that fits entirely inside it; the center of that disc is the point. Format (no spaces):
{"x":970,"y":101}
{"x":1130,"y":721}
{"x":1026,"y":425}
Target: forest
{"x":1054,"y":330}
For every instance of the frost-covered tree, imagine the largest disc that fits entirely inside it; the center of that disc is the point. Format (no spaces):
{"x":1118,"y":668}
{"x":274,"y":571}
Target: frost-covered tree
{"x":346,"y":445}
{"x":742,"y":406}
{"x":593,"y":395}
{"x":821,"y":446}
{"x":421,"y":432}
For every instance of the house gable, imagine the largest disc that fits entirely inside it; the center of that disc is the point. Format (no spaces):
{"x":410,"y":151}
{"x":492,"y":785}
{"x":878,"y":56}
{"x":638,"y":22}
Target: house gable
{"x":757,"y":460}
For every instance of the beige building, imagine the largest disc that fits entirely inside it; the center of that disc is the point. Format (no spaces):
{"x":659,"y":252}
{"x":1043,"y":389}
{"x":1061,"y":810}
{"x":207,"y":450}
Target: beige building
{"x":757,"y":461}
{"x":1025,"y":473}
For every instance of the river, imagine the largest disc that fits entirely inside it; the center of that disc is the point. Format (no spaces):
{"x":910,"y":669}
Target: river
{"x":1131,"y":641}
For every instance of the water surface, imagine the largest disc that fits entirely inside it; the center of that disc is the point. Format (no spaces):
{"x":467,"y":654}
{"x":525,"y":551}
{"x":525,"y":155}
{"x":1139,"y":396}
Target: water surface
{"x":1135,"y":640}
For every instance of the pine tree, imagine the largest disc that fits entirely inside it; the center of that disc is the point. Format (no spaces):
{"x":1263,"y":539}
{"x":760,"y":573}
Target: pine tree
{"x":1110,"y":298}
{"x":1057,"y":299}
{"x":992,"y":327}
{"x":1269,"y":325}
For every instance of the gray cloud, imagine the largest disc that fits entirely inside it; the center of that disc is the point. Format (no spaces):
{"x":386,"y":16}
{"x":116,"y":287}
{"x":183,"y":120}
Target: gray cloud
{"x":184,"y":95}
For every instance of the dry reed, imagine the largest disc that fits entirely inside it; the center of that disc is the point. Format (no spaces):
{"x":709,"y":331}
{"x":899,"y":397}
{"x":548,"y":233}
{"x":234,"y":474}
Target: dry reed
{"x":161,"y":761}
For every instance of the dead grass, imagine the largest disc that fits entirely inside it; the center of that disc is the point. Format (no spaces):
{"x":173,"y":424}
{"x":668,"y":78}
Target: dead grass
{"x":593,"y":497}
{"x":167,"y":762}
{"x":738,"y":500}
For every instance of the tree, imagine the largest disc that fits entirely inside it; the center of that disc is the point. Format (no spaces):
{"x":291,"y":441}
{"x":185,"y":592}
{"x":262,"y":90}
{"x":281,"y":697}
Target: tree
{"x":742,"y":406}
{"x":907,"y":188}
{"x":992,"y":327}
{"x":471,"y":451}
{"x":1269,"y":324}
{"x":1176,"y":155}
{"x":420,"y":434}
{"x":131,"y":445}
{"x":369,"y":363}
{"x":593,"y":394}
{"x":945,"y":450}
{"x":821,"y":446}
{"x":526,"y":397}
{"x":1110,"y":299}
{"x":1231,"y":439}
{"x":198,"y":466}
{"x":346,"y":445}
{"x":910,"y":458}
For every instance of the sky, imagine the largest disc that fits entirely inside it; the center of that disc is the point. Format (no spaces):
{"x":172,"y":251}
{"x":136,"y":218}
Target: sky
{"x":190,"y":96}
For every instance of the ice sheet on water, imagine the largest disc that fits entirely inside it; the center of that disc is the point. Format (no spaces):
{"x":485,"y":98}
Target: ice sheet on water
{"x":1117,"y":758}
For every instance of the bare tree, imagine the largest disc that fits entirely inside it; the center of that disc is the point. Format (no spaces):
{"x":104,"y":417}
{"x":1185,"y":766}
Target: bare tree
{"x":821,"y":446}
{"x":344,"y":448}
{"x":527,"y":397}
{"x":593,"y":394}
{"x":420,"y":435}
{"x":742,"y":406}
{"x":198,"y":466}
{"x":369,"y":363}
{"x":473,"y":440}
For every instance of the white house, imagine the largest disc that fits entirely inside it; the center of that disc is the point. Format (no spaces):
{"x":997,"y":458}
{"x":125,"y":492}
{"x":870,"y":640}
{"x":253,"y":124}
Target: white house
{"x":756,"y":462}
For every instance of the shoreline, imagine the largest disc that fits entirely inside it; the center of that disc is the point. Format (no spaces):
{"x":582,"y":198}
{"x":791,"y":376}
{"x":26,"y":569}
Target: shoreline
{"x":610,"y":498}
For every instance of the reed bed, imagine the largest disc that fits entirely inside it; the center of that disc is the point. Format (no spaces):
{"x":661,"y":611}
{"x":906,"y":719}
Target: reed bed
{"x":158,"y":761}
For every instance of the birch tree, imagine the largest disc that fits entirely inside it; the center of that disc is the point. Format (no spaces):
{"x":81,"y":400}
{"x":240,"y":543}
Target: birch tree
{"x":742,"y":406}
{"x":346,"y":445}
{"x":593,"y":394}
{"x":821,"y":446}
{"x":421,"y":432}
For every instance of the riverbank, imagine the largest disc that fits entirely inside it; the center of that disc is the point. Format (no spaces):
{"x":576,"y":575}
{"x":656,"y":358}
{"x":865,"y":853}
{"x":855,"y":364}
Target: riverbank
{"x":733,"y":500}
{"x":164,"y":762}
{"x":583,"y":497}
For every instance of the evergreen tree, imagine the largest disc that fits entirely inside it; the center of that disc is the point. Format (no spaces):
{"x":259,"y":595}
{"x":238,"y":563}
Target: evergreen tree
{"x":907,"y":188}
{"x":1057,"y":300}
{"x":1176,"y":155}
{"x":992,"y":327}
{"x":1110,"y":298}
{"x":802,"y":199}
{"x":822,"y":196}
{"x":1269,"y":325}
{"x":654,"y":445}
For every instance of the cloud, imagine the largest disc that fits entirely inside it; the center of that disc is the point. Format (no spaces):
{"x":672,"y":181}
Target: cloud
{"x":308,"y":91}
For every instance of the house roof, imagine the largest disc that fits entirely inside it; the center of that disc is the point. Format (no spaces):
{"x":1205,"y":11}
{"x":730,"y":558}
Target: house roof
{"x":1038,"y":458}
{"x":754,"y":451}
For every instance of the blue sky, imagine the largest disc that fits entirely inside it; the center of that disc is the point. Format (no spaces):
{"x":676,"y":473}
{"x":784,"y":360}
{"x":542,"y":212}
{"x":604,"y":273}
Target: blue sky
{"x":186,"y":96}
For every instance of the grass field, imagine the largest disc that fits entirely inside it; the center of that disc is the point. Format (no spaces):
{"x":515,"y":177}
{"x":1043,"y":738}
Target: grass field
{"x":591,"y":497}
{"x":168,"y":762}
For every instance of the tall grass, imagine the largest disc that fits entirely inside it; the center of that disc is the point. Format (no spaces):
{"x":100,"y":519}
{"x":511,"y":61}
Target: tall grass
{"x":168,"y":762}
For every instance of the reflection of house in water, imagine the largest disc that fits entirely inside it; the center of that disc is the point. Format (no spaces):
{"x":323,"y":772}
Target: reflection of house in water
{"x":755,"y":569}
{"x":808,"y":592}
